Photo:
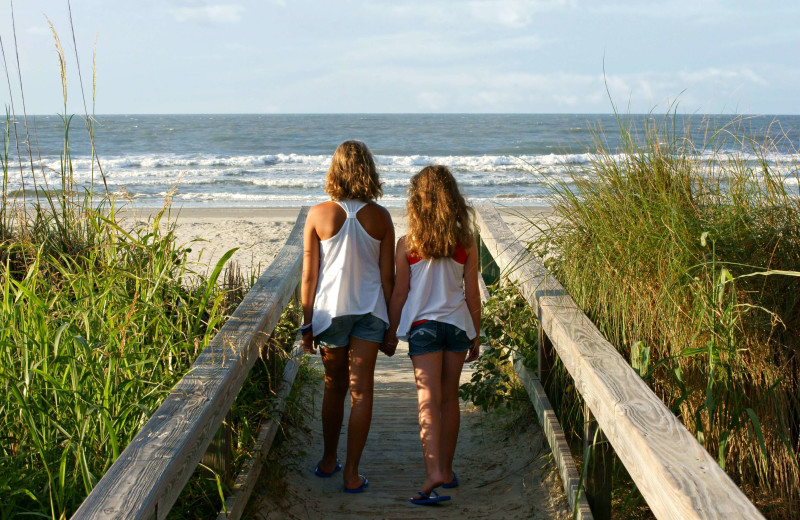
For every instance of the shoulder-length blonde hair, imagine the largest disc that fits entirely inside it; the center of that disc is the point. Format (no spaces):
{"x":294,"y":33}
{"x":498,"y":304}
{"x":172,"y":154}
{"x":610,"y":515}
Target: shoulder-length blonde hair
{"x":352,"y":174}
{"x":438,"y":216}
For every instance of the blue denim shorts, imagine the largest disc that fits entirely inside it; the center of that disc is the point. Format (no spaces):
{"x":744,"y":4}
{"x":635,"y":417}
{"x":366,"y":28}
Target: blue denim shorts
{"x":362,"y":326}
{"x":433,"y":336}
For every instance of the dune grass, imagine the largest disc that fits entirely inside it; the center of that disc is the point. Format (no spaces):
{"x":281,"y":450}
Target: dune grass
{"x":686,"y":256}
{"x":100,"y":317}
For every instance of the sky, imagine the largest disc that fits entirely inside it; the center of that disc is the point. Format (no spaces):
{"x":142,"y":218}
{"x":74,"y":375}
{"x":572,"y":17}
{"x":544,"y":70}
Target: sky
{"x":399,"y":56}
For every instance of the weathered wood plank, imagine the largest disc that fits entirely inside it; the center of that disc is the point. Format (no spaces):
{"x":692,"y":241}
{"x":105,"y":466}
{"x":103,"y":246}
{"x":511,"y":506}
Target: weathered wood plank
{"x":598,"y":463}
{"x":150,"y":473}
{"x":247,"y":478}
{"x":675,"y":474}
{"x":557,"y":440}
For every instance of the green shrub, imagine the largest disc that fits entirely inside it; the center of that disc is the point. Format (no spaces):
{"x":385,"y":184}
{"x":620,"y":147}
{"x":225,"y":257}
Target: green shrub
{"x":510,"y":326}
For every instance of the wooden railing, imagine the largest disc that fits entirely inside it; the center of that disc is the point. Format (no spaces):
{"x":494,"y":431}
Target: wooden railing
{"x":676,"y":476}
{"x":151,"y":472}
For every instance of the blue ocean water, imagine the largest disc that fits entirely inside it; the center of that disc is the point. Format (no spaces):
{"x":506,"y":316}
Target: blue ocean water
{"x":281,"y":160}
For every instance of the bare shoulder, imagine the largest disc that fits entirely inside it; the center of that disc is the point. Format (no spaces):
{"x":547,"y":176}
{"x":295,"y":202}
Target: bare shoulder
{"x":401,"y":245}
{"x":471,"y":248}
{"x":323,"y":212}
{"x":376,"y":210}
{"x":376,"y":221}
{"x":323,"y":209}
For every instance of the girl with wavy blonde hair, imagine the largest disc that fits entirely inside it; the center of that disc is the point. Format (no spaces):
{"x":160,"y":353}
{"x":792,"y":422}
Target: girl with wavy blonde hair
{"x":348,"y":276}
{"x":436,"y":308}
{"x":352,"y":174}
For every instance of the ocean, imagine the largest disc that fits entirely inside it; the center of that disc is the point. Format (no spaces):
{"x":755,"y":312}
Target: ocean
{"x":281,"y":160}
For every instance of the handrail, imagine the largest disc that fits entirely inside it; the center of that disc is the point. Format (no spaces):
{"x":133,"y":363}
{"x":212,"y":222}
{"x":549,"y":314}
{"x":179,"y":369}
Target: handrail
{"x":676,"y":476}
{"x":151,"y":472}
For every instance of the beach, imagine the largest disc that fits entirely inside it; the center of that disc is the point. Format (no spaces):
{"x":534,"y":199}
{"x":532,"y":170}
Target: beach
{"x":259,"y":233}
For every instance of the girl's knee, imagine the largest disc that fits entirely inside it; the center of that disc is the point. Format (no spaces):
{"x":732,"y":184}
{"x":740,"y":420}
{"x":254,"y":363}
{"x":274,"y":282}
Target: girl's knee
{"x":337,"y":385}
{"x":360,"y":390}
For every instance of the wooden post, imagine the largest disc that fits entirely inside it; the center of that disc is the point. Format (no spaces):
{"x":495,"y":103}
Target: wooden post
{"x":219,"y":455}
{"x":298,"y":296}
{"x":547,"y":358}
{"x":599,"y":465}
{"x":487,"y":266}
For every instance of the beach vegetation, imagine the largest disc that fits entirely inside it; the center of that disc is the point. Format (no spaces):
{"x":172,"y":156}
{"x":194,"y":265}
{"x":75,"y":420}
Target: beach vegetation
{"x":101,"y":315}
{"x":509,"y":327}
{"x":686,"y":256}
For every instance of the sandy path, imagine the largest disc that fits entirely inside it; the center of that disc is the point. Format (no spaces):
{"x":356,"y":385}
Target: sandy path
{"x":502,"y":471}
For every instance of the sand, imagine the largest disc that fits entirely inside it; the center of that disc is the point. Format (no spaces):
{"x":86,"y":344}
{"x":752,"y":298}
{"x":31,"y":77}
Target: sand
{"x":259,"y":233}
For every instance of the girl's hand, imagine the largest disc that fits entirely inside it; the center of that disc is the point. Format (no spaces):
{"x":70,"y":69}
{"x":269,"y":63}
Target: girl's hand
{"x":308,"y":343}
{"x":389,"y":344}
{"x":475,"y":350}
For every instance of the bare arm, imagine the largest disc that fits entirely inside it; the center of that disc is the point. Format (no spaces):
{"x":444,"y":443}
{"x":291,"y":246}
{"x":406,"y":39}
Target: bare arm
{"x":386,"y":260}
{"x":473,"y":296}
{"x":399,"y":295}
{"x":308,"y":281}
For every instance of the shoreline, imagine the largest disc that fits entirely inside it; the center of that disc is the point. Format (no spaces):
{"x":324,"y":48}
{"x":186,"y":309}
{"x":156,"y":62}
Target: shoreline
{"x":292,"y":211}
{"x":260,"y":233}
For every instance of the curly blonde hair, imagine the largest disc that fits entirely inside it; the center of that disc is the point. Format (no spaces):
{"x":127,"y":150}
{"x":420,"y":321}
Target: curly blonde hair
{"x":438,"y":216}
{"x":352,"y":174}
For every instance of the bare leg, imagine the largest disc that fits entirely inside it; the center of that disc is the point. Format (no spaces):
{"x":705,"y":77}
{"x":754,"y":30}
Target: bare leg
{"x":362,"y":381}
{"x":335,"y":361}
{"x":428,"y":373}
{"x":451,"y":414}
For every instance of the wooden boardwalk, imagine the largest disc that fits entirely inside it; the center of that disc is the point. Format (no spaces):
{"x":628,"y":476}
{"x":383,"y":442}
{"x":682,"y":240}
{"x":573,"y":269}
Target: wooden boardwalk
{"x":503,"y":473}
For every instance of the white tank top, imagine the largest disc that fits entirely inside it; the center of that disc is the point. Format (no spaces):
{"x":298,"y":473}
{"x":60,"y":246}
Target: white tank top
{"x":436,"y":292}
{"x":349,"y":279}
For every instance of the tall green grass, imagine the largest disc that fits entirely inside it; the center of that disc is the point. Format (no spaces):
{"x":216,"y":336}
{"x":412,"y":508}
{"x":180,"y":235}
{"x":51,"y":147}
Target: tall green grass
{"x":100,"y":317}
{"x":92,"y":338}
{"x":686,"y":258}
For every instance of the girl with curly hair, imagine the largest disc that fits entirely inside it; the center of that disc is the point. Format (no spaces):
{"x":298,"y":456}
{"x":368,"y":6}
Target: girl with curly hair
{"x":436,"y":307}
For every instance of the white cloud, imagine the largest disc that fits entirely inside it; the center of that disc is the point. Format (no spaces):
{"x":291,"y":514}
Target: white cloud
{"x":513,"y":13}
{"x":716,"y":75}
{"x":559,"y":91}
{"x":39,"y":30}
{"x":228,"y":13}
{"x":432,"y":101}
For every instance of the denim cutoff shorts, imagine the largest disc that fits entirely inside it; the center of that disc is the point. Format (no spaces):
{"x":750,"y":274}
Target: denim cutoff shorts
{"x":362,"y":326}
{"x":433,"y":336}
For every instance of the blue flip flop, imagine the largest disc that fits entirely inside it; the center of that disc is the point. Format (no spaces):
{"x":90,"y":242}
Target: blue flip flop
{"x":428,"y":498}
{"x":321,"y":474}
{"x":453,"y":483}
{"x":359,"y":489}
